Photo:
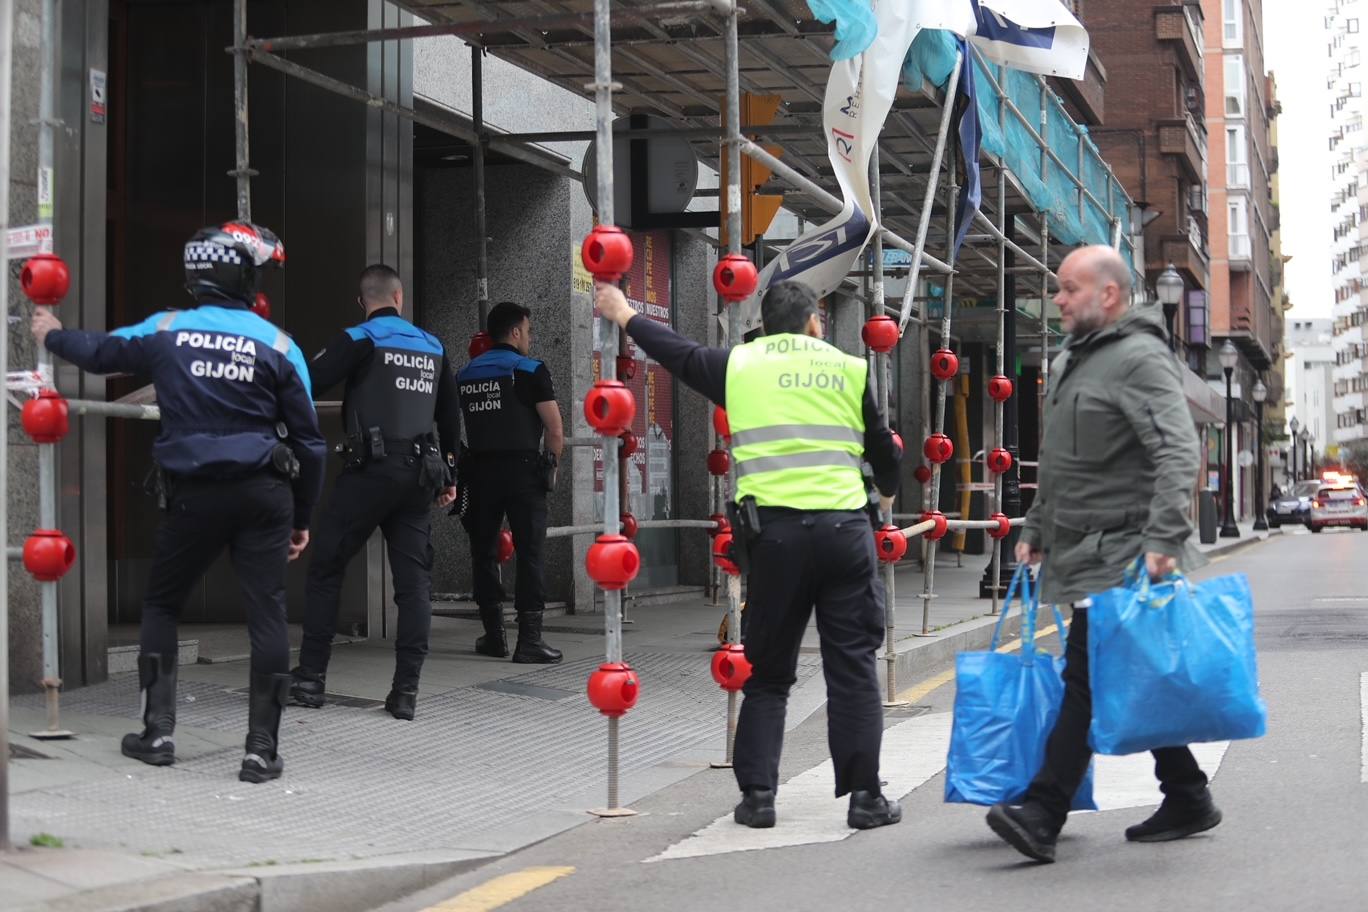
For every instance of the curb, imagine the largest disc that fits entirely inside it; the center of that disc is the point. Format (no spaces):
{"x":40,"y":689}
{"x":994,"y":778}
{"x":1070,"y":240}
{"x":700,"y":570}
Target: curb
{"x":915,"y":655}
{"x":335,"y":886}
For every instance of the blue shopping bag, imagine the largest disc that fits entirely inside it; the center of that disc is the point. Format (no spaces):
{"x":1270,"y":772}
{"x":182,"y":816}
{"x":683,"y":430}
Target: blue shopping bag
{"x":1005,"y":707}
{"x":1173,"y":663}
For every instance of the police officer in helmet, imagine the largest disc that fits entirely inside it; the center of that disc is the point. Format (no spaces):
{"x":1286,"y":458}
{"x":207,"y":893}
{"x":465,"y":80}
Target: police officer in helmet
{"x":240,"y":457}
{"x":802,"y":420}
{"x":399,"y":385}
{"x":510,"y":412}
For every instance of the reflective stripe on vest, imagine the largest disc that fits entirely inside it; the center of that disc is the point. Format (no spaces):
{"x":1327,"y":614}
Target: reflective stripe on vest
{"x":795,"y":408}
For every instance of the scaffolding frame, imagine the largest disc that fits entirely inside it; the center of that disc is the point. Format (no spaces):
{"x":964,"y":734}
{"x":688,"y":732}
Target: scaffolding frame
{"x":770,"y":45}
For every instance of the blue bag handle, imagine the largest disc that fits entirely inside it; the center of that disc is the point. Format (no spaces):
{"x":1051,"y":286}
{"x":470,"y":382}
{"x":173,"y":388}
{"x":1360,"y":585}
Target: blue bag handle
{"x":1059,"y":617}
{"x":1137,"y":578}
{"x":1021,"y":579}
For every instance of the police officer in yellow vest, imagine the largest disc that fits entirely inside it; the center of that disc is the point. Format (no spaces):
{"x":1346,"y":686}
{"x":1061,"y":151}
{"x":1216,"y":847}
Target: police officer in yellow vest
{"x":802,"y":422}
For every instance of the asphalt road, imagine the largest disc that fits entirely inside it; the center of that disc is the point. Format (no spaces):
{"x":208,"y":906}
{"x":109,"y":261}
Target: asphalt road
{"x":1295,"y":834}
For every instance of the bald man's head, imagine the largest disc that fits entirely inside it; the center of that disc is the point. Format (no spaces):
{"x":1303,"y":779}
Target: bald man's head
{"x":1094,"y":289}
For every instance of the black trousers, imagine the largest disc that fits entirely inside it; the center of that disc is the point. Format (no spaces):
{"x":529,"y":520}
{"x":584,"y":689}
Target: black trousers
{"x":507,"y":485}
{"x":382,"y":495}
{"x":1067,"y":753}
{"x":251,"y":517}
{"x":802,"y":561}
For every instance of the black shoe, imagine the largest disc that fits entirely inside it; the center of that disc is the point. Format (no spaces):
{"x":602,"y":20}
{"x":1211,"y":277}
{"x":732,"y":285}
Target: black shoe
{"x":401,"y":703}
{"x":1026,"y":828}
{"x":531,"y":648}
{"x":868,"y":811}
{"x":493,"y":644}
{"x":1175,"y":820}
{"x":157,"y":679}
{"x":756,"y":809}
{"x":267,"y":697}
{"x":307,"y":687}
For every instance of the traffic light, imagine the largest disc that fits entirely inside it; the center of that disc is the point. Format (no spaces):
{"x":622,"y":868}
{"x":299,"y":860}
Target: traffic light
{"x":757,"y":210}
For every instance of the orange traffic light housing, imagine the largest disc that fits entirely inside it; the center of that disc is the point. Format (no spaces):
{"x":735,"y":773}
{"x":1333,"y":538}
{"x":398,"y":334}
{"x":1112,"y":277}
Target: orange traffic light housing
{"x":757,"y":209}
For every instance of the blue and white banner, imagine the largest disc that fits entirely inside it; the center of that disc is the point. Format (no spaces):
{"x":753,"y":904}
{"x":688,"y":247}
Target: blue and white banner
{"x":1039,"y":36}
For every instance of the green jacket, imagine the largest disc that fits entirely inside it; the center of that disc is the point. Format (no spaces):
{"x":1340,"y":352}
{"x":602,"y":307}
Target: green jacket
{"x":1119,"y":459}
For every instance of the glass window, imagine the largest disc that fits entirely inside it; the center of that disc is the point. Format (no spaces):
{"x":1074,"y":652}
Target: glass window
{"x":1234,"y":85}
{"x":1232,"y":13}
{"x":1353,"y":26}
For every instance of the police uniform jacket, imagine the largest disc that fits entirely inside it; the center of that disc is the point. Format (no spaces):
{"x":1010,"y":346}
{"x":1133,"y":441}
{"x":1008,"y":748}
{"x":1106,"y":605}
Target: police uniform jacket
{"x":225,"y":378}
{"x":706,"y":369}
{"x":499,"y":392}
{"x":398,"y":380}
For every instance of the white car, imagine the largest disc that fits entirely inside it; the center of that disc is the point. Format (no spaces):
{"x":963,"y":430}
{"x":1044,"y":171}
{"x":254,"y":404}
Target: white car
{"x":1338,"y":505}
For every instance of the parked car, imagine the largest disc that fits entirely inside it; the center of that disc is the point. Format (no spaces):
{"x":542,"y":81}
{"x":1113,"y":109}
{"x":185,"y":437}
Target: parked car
{"x":1295,"y":505}
{"x":1339,"y":505}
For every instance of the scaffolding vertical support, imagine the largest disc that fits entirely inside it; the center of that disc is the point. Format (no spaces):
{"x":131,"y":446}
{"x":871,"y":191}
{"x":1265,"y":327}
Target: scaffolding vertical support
{"x":243,"y":169}
{"x":477,"y":162}
{"x":6,"y":59}
{"x":732,"y":64}
{"x":942,"y":387}
{"x":881,"y":362}
{"x":999,"y":407}
{"x":928,"y":202}
{"x":1044,"y":324}
{"x":608,"y":345}
{"x":47,"y":453}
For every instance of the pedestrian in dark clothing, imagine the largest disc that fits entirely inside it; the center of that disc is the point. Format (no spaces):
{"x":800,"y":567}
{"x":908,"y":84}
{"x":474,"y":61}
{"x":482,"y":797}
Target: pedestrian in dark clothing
{"x":515,"y":435}
{"x":240,"y":459}
{"x":399,"y":385}
{"x":1118,"y":463}
{"x":802,"y":421}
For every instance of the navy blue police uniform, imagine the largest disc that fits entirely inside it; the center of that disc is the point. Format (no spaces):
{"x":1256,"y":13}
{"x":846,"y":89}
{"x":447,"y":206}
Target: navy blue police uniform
{"x":505,"y":475}
{"x":241,"y":460}
{"x":398,"y":385}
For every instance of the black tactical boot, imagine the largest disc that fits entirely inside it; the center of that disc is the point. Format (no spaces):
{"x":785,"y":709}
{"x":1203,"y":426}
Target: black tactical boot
{"x":1026,"y":828}
{"x":868,"y":811}
{"x":401,"y":703}
{"x":267,"y":698}
{"x":756,"y":809}
{"x":493,"y":643}
{"x":531,"y":648}
{"x":1175,"y":820}
{"x":157,"y":678}
{"x":307,"y":687}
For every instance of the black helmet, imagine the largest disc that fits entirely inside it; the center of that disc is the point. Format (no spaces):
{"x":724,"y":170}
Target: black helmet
{"x":225,"y":260}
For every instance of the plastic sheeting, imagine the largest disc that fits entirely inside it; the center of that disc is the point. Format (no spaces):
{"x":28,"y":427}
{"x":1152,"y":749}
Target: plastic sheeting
{"x":1050,"y":189}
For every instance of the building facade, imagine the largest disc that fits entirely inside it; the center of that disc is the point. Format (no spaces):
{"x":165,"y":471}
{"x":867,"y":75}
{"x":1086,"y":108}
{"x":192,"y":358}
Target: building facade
{"x":1348,"y":203}
{"x":1311,"y":377}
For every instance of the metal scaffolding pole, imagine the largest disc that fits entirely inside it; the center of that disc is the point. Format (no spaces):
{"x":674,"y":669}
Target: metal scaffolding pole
{"x":929,"y":575}
{"x":608,"y":346}
{"x":733,"y":152}
{"x":882,"y":370}
{"x":999,"y":407}
{"x":47,"y":453}
{"x":951,"y":87}
{"x":477,"y":161}
{"x":6,"y":59}
{"x":243,"y":169}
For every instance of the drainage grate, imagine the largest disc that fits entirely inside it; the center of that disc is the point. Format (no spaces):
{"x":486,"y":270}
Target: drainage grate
{"x":520,"y":689}
{"x":19,"y":752}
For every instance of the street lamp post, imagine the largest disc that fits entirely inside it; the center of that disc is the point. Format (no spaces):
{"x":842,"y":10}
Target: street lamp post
{"x":1229,"y":357}
{"x":1169,"y":288}
{"x":1260,"y":393}
{"x":1306,"y":462}
{"x":1292,"y":426}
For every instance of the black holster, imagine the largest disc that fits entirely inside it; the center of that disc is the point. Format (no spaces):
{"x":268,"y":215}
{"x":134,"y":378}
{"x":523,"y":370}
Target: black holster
{"x":745,"y":522}
{"x":434,"y":471}
{"x":284,"y":461}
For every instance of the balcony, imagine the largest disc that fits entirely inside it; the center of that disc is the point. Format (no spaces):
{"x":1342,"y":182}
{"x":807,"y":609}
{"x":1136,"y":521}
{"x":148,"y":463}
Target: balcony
{"x":1187,"y":253}
{"x":1237,"y":176}
{"x":1180,"y":138}
{"x":1241,"y":253}
{"x":1171,"y":25}
{"x":1083,"y":98}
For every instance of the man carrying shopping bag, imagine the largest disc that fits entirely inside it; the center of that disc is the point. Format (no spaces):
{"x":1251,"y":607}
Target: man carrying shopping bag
{"x":1118,"y":462}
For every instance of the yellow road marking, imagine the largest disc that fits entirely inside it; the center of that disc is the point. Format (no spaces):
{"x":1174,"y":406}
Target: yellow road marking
{"x":920,"y":691}
{"x":501,"y":890}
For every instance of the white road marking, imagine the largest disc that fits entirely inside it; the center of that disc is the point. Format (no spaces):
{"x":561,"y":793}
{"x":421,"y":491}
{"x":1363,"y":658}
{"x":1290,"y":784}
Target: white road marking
{"x":914,"y":753}
{"x":1363,"y":722}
